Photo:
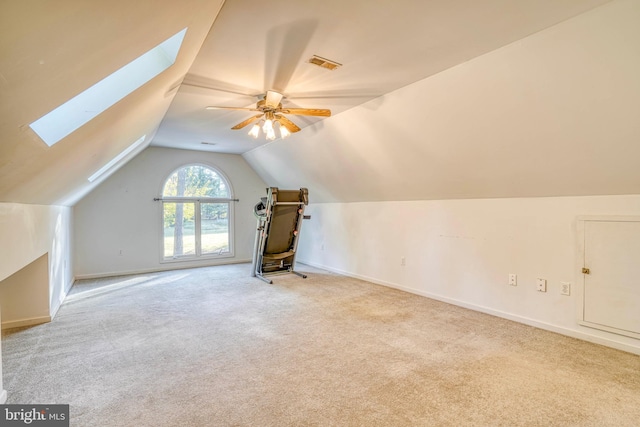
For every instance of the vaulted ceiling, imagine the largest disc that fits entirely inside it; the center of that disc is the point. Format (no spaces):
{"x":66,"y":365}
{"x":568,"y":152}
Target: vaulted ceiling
{"x":258,"y":46}
{"x":465,"y":69}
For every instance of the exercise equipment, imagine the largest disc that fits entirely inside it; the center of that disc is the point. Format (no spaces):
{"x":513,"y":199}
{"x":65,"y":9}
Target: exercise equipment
{"x":280,"y":216}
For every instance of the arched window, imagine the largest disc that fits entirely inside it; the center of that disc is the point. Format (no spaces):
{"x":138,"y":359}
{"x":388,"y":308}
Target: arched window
{"x":197,"y":214}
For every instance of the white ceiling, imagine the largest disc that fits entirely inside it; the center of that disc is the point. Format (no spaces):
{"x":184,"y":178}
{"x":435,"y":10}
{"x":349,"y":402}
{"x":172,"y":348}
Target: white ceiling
{"x":258,"y":46}
{"x":233,"y":52}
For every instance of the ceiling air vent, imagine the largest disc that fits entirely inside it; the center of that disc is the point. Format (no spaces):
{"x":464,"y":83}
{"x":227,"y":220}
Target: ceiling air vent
{"x":208,"y":143}
{"x":324,"y":63}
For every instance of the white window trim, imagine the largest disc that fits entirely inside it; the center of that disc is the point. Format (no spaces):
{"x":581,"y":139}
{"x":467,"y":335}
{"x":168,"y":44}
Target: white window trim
{"x":197,"y":200}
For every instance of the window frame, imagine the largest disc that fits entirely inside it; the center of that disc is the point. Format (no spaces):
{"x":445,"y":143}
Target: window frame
{"x":197,"y":201}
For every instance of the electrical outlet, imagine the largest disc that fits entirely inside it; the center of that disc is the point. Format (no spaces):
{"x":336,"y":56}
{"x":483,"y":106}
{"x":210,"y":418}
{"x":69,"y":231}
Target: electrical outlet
{"x":513,"y":279}
{"x":565,"y":288}
{"x":403,"y":261}
{"x":541,"y":285}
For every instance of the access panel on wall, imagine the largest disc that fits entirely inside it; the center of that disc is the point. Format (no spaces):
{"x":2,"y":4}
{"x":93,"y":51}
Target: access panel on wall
{"x":610,"y":275}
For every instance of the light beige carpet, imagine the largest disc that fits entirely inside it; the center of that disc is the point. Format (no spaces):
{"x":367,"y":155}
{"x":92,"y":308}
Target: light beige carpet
{"x":215,"y":347}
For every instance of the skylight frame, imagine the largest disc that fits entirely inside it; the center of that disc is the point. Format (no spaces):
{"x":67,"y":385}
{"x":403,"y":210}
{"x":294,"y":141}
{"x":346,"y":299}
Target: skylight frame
{"x":115,"y":163}
{"x":79,"y":110}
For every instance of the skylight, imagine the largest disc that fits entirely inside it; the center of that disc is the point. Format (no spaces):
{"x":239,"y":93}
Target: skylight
{"x":114,"y":163}
{"x":77,"y":111}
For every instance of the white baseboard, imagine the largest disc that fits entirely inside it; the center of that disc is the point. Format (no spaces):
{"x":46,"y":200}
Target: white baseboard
{"x":165,"y":267}
{"x":3,"y":396}
{"x":26,"y":322}
{"x":56,"y":307}
{"x":509,"y":316}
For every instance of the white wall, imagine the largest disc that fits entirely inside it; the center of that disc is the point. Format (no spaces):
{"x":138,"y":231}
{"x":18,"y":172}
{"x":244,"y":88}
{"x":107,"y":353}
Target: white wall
{"x":24,"y":296}
{"x":28,"y":232}
{"x":120,"y":214}
{"x":462,"y":251}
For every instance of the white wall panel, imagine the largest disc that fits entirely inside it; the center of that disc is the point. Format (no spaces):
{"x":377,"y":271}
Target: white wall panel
{"x":29,"y":231}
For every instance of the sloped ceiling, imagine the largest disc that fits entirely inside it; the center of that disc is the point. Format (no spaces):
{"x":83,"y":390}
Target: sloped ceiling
{"x":384,"y":45}
{"x":553,"y":114}
{"x":52,"y":50}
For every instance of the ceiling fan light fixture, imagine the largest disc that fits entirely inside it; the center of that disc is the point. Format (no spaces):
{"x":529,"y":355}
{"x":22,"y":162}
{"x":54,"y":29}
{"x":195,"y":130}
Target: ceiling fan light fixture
{"x":267,"y":126}
{"x":272,"y":115}
{"x":255,"y":131}
{"x":270,"y":134}
{"x":284,"y":132}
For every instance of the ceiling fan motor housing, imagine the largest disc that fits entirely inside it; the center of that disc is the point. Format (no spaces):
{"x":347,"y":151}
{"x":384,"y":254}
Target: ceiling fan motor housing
{"x":262,"y":105}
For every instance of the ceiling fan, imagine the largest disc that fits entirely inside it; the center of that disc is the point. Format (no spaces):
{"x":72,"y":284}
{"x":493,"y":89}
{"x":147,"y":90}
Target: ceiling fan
{"x":272,"y":112}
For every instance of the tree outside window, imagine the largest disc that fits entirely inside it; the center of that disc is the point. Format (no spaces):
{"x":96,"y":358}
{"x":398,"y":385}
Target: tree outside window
{"x":197,"y":214}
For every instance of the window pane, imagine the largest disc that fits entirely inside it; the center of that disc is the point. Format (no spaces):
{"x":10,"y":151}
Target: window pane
{"x":195,"y":181}
{"x":214,"y":219}
{"x":179,"y":229}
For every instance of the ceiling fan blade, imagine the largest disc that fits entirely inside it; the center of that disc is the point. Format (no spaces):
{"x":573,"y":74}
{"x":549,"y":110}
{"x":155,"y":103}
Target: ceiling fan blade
{"x":307,"y":111}
{"x":213,"y":107}
{"x":272,"y":99}
{"x":286,"y":45}
{"x":203,"y":85}
{"x":246,"y":122}
{"x":291,"y":127}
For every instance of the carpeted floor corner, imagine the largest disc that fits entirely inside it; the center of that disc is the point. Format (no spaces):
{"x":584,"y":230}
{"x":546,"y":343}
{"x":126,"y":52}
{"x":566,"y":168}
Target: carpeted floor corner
{"x":215,"y":347}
